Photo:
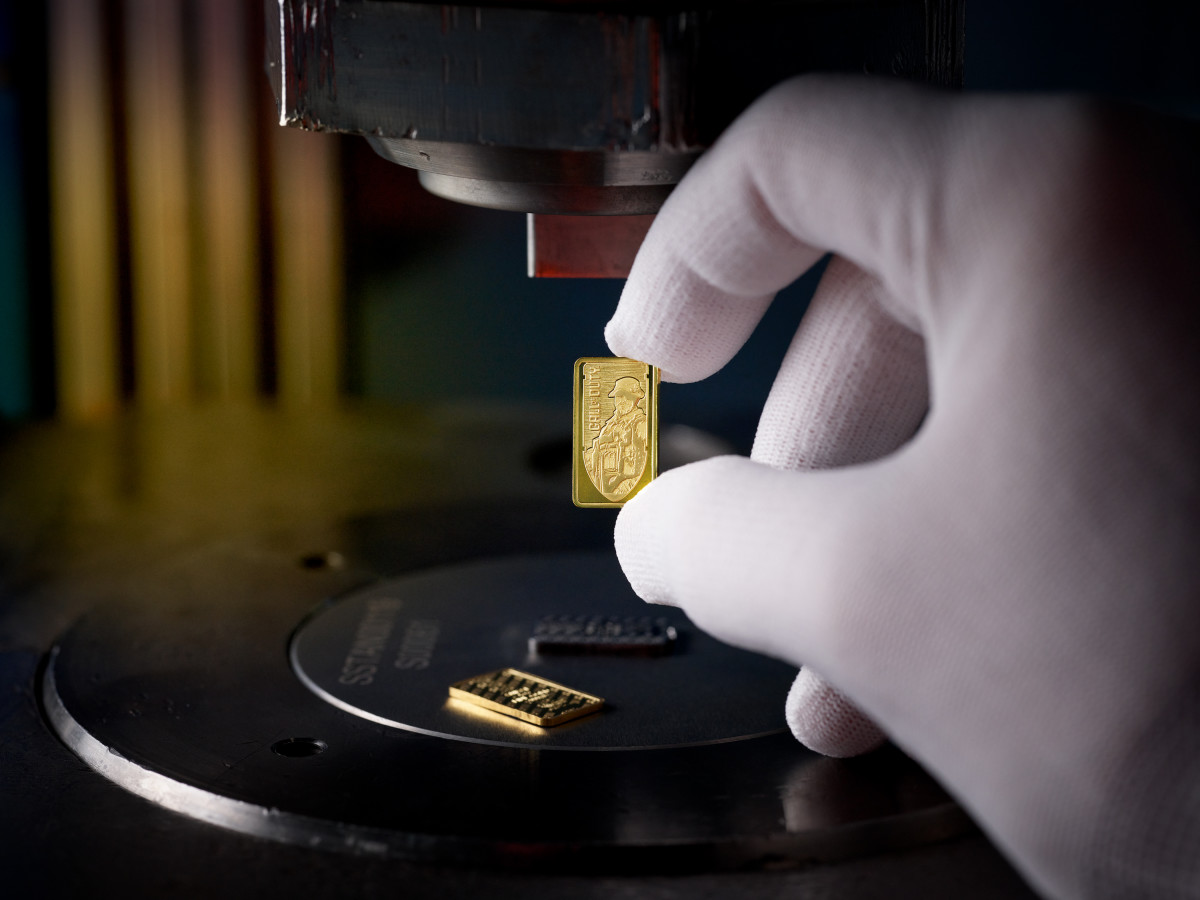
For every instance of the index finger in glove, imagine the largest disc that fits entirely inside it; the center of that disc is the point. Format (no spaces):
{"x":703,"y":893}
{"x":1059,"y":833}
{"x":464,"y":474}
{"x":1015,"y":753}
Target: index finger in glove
{"x":819,"y":163}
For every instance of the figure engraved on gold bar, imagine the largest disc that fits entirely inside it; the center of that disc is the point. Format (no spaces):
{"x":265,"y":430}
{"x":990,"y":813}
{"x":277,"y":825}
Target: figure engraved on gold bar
{"x":615,"y":432}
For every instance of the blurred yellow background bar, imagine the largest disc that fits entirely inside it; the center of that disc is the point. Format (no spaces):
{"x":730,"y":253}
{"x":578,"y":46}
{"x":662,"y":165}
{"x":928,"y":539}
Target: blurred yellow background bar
{"x":83,"y":217}
{"x":197,"y":246}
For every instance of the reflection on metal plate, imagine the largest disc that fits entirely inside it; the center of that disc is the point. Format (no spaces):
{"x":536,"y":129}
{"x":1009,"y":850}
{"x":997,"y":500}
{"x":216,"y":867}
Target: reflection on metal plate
{"x":526,"y":697}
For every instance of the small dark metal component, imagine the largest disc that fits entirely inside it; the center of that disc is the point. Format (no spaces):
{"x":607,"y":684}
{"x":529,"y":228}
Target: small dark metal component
{"x":603,"y":635}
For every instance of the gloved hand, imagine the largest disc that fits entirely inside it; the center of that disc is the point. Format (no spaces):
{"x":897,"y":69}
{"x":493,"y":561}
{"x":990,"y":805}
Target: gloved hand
{"x":1009,"y":583}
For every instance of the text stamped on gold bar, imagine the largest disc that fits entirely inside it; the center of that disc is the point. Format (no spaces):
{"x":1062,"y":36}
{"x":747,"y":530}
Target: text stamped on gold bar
{"x":615,"y":430}
{"x":525,"y":697}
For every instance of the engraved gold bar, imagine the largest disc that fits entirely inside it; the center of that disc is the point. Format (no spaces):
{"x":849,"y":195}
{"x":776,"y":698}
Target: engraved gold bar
{"x":614,"y":430}
{"x":526,"y":697}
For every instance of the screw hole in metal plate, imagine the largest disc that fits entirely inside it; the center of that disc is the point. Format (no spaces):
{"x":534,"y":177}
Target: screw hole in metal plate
{"x":299,"y":747}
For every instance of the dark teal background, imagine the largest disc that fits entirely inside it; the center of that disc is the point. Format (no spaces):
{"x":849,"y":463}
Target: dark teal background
{"x":14,"y":299}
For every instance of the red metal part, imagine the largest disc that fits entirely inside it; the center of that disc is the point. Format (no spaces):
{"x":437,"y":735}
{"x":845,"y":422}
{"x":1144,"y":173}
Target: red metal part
{"x":584,"y":246}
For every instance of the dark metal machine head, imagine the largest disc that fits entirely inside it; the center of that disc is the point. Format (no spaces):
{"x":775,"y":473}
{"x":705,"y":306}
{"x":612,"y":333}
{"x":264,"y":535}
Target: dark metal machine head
{"x":578,"y":108}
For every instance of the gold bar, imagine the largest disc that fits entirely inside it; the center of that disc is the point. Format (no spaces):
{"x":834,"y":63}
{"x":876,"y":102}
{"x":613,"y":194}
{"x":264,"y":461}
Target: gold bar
{"x":525,"y":697}
{"x":614,"y":430}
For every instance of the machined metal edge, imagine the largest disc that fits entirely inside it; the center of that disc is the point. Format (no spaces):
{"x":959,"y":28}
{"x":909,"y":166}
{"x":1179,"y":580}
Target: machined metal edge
{"x":217,"y":809}
{"x":577,"y":182}
{"x":548,"y":199}
{"x":538,"y":166}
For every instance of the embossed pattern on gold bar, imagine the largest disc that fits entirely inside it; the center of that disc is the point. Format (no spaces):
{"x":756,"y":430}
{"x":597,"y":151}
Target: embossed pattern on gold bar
{"x":525,"y":697}
{"x":614,"y":431}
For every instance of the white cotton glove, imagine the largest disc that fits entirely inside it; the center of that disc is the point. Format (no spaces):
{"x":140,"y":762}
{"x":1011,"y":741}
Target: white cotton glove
{"x":1009,"y":586}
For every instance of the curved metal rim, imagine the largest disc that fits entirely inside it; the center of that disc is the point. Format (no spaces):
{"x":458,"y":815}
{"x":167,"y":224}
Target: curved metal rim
{"x":195,"y":802}
{"x":534,"y":165}
{"x":910,"y":829}
{"x":548,"y":199}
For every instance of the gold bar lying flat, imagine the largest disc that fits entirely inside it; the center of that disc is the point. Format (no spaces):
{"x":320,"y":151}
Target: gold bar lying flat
{"x":525,"y":697}
{"x":614,"y":430}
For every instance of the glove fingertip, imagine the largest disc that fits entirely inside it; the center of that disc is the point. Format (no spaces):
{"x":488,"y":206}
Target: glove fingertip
{"x":615,"y":338}
{"x":636,"y":538}
{"x":621,"y":345}
{"x":824,"y":720}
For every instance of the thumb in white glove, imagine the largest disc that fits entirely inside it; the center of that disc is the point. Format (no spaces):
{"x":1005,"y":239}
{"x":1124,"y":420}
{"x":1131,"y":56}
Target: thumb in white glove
{"x":1012,"y":594}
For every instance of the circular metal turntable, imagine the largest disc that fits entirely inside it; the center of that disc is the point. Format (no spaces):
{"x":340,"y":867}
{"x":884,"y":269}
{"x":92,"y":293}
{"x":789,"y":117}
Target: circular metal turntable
{"x":219,"y":698}
{"x":389,"y":652}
